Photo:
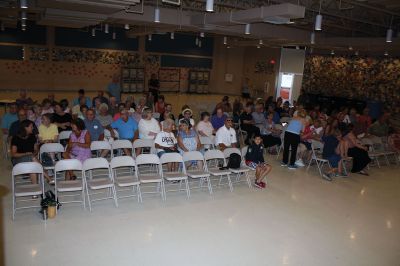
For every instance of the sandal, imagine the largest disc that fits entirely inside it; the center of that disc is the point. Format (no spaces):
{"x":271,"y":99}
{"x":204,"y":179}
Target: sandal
{"x":363,"y":173}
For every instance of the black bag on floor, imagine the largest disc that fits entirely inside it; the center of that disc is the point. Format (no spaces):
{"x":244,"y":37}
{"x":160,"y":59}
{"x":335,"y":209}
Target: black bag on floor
{"x":234,"y":161}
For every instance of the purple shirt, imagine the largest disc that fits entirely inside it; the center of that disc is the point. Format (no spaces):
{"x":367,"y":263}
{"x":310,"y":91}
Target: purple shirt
{"x":218,"y":122}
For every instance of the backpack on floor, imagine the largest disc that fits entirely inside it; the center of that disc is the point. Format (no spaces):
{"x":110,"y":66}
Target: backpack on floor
{"x":234,"y":161}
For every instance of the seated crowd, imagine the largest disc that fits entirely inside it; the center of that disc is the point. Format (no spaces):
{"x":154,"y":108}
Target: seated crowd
{"x":266,"y":124}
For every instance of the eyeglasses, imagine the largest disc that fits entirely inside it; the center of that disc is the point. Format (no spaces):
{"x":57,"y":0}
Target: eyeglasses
{"x":229,"y":120}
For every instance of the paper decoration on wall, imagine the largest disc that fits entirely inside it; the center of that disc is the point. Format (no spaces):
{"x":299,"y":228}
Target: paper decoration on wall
{"x":358,"y":78}
{"x":39,"y":54}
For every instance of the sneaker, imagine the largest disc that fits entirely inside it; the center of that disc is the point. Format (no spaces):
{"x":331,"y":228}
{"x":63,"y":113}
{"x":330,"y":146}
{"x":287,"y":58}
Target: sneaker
{"x":258,"y":184}
{"x":283,"y":164}
{"x":292,"y":167}
{"x":327,"y":177}
{"x":299,"y":163}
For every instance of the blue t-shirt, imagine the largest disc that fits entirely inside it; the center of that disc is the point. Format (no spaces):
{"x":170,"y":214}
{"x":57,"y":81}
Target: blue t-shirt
{"x":8,"y":119}
{"x":88,"y":102}
{"x":217,"y":122}
{"x":295,"y":126}
{"x":126,"y":130}
{"x":115,"y":90}
{"x":95,"y":128}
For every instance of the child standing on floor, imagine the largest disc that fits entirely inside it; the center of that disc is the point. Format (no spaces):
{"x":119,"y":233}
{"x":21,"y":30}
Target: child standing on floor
{"x":255,"y":159}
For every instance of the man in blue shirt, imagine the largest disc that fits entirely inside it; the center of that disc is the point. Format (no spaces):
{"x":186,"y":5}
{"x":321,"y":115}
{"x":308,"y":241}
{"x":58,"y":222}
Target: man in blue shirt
{"x":218,"y":119}
{"x":9,"y":118}
{"x":93,"y":125}
{"x":114,"y":88}
{"x":127,"y":128}
{"x":82,"y":99}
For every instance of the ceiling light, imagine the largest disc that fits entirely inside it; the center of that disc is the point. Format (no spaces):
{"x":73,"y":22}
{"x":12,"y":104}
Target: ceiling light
{"x":356,"y":53}
{"x":351,"y":48}
{"x":202,"y":34}
{"x":386,"y":53}
{"x":127,"y":27}
{"x":23,"y":15}
{"x":210,"y":6}
{"x":332,"y":52}
{"x":114,"y":35}
{"x":258,"y":46}
{"x":157,"y":15}
{"x":23,"y":4}
{"x":225,"y":40}
{"x":23,"y":28}
{"x":318,"y":22}
{"x":172,"y":35}
{"x":228,"y":47}
{"x":389,"y":35}
{"x":247,"y":29}
{"x":106,"y":28}
{"x":93,"y":32}
{"x":260,"y":42}
{"x":150,"y":37}
{"x":23,"y":23}
{"x":312,"y":38}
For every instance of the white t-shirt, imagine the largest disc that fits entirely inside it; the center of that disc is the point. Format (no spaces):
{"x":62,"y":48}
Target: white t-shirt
{"x":225,"y":136}
{"x":316,"y":130}
{"x":147,"y":126}
{"x":205,"y":127}
{"x":165,"y":139}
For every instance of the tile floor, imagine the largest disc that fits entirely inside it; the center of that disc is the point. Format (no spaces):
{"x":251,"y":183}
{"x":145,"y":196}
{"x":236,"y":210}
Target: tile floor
{"x":299,"y":220}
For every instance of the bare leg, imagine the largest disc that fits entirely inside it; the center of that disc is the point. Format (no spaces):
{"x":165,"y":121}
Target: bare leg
{"x":33,"y":178}
{"x":104,"y":153}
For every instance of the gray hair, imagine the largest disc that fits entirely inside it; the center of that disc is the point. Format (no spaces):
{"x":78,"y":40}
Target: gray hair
{"x":168,"y":123}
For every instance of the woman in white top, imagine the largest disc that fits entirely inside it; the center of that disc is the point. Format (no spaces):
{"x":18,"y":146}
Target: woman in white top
{"x":148,"y":126}
{"x":166,"y":141}
{"x":204,"y":127}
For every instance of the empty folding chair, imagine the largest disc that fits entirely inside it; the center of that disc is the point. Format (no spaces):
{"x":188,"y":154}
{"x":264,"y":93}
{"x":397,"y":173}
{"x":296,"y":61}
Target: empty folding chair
{"x":380,"y":146}
{"x":215,"y":159}
{"x":97,"y":176}
{"x":68,"y":188}
{"x":26,"y":190}
{"x":99,"y":146}
{"x":149,"y":172}
{"x":52,"y":149}
{"x":175,"y":176}
{"x":142,"y":145}
{"x":316,"y":156}
{"x":243,"y":170}
{"x":119,"y":145}
{"x":207,"y":142}
{"x":63,"y":137}
{"x":124,"y":172}
{"x":197,"y":168}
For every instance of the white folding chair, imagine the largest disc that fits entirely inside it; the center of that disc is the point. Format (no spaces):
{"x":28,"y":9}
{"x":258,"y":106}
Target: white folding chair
{"x":64,"y":136}
{"x":153,"y":175}
{"x":207,"y":142}
{"x":94,"y":180}
{"x":243,"y":170}
{"x":380,"y":146}
{"x":197,"y":168}
{"x":316,"y":156}
{"x":68,"y":186}
{"x":374,"y":155}
{"x":213,"y":159}
{"x":124,"y":172}
{"x":56,"y":148}
{"x":120,"y":144}
{"x":100,"y":145}
{"x":27,"y":189}
{"x":175,"y":176}
{"x":143,"y":144}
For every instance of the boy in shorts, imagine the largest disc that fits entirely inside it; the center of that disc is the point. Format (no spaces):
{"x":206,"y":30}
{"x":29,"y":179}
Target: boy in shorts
{"x":255,"y":159}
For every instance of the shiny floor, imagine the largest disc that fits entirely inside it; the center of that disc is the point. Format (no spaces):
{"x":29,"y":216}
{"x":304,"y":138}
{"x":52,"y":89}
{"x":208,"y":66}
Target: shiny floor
{"x":299,"y":219}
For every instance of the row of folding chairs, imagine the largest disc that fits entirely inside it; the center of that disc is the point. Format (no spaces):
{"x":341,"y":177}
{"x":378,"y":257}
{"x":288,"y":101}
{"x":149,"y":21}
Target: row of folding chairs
{"x":125,"y":176}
